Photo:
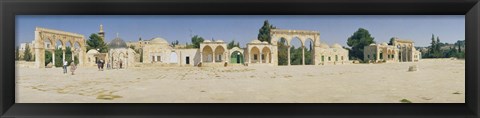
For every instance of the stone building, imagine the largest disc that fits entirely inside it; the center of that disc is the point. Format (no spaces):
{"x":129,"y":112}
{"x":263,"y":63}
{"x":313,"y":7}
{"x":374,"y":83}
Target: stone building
{"x":119,"y":55}
{"x":213,"y":52}
{"x":381,"y":53}
{"x":335,"y":54}
{"x":399,"y":51}
{"x":259,"y":52}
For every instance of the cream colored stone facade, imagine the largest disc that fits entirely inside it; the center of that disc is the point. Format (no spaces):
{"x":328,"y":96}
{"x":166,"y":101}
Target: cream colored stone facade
{"x":334,"y":54}
{"x":42,"y":35}
{"x":399,"y":51}
{"x":212,"y":52}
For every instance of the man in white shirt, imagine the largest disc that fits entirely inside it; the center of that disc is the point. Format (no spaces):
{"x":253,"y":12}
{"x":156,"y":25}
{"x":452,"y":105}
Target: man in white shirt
{"x":65,"y":67}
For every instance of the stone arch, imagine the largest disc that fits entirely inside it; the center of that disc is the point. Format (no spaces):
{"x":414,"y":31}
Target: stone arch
{"x":309,"y":53}
{"x":219,"y":53}
{"x":207,"y":54}
{"x":266,"y":55}
{"x":42,"y":34}
{"x":254,"y":54}
{"x":236,"y":57}
{"x":303,"y":35}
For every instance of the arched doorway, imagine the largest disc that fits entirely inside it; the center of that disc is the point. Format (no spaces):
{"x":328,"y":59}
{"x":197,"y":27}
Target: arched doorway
{"x":254,"y":55}
{"x":173,"y":57}
{"x":266,"y":55}
{"x":219,"y":54}
{"x":207,"y":54}
{"x":236,"y":57}
{"x":296,"y":51}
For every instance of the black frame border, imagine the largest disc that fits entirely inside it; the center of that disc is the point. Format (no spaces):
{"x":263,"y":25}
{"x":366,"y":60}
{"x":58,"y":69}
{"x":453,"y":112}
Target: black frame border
{"x":10,"y":8}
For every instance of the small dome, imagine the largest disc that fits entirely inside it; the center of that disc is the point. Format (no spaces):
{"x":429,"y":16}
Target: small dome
{"x":264,"y":42}
{"x":384,"y":43}
{"x":336,"y":45}
{"x":220,"y":41}
{"x":92,"y":51}
{"x":324,"y":45}
{"x":255,"y":41}
{"x":206,"y":41}
{"x":158,"y":40}
{"x":117,"y":43}
{"x":373,"y":44}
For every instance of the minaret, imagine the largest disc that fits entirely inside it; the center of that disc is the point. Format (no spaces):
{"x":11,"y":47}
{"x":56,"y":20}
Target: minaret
{"x":101,"y":33}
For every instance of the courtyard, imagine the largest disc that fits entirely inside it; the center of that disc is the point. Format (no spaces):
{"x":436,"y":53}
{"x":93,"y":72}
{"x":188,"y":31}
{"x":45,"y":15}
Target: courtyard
{"x":436,"y":81}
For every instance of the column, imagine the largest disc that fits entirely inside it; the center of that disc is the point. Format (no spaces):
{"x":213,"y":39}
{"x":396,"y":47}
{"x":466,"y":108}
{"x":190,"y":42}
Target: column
{"x":303,"y":55}
{"x":201,"y":57}
{"x":250,"y":56}
{"x":288,"y":54}
{"x":213,"y":56}
{"x":73,"y":56}
{"x":261,"y":59}
{"x":53,"y":58}
{"x":63,"y":57}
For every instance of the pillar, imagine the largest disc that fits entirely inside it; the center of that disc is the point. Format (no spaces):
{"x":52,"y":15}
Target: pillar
{"x":63,"y":58}
{"x":201,"y":57}
{"x":261,"y":59}
{"x":288,"y":54}
{"x":213,"y":56}
{"x":53,"y":58}
{"x":303,"y":55}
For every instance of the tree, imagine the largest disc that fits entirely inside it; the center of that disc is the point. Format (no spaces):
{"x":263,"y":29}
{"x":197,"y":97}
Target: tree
{"x":391,"y":41}
{"x":196,"y":40}
{"x":48,"y":57}
{"x":58,"y":57}
{"x":264,"y":32}
{"x":27,"y":55}
{"x":174,"y":43}
{"x":232,"y":44}
{"x":96,"y":42}
{"x":17,"y":53}
{"x":358,"y":41}
{"x":282,"y":52}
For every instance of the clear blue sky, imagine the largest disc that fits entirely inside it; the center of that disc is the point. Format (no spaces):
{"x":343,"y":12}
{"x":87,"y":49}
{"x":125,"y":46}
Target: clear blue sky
{"x":332,"y":28}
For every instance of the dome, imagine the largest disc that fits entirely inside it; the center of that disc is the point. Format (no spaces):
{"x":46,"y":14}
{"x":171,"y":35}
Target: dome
{"x":336,"y":45}
{"x":117,"y":43}
{"x":220,"y":41}
{"x":323,"y":45}
{"x":255,"y":41}
{"x":92,"y":51}
{"x":264,"y":42}
{"x":373,"y":44}
{"x":384,"y":43}
{"x":206,"y":41}
{"x":158,"y":40}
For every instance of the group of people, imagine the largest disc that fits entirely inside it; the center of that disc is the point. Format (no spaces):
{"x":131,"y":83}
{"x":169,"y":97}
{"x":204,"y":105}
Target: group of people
{"x":73,"y":67}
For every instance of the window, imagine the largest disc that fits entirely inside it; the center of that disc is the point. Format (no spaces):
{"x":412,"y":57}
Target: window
{"x":323,"y":58}
{"x":263,"y":57}
{"x":342,"y":58}
{"x":329,"y":59}
{"x":159,"y":58}
{"x":336,"y":57}
{"x":255,"y":57}
{"x":153,"y":58}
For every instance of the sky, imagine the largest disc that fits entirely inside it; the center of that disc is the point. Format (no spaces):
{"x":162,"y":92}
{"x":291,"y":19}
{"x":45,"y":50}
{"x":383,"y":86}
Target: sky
{"x":245,"y":28}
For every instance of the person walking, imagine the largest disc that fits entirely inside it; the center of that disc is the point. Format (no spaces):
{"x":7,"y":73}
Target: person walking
{"x":73,"y":67}
{"x":65,"y":67}
{"x":103,"y":64}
